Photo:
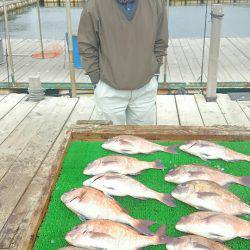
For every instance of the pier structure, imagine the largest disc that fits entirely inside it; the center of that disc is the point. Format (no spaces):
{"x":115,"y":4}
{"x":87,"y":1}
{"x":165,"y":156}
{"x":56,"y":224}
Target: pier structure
{"x":183,"y":70}
{"x":12,"y":5}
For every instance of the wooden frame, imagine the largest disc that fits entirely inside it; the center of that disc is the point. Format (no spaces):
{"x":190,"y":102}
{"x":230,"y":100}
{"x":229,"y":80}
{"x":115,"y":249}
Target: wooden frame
{"x":99,"y":131}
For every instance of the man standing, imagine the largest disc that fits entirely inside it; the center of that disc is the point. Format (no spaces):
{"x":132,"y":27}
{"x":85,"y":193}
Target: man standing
{"x":122,"y":44}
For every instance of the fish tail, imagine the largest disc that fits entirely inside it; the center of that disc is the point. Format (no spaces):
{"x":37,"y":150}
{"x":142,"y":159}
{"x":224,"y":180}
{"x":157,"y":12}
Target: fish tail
{"x":161,"y":237}
{"x":246,"y":209}
{"x":167,"y":199}
{"x":247,"y":237}
{"x":244,"y":181}
{"x":170,"y":149}
{"x":158,"y":165}
{"x":143,"y":226}
{"x":246,"y":158}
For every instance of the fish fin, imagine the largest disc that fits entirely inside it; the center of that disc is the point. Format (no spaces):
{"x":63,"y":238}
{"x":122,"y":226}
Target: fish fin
{"x":106,"y":162}
{"x":217,"y":237}
{"x":82,"y":195}
{"x":244,"y":181}
{"x":125,"y":210}
{"x":141,"y":198}
{"x":95,"y":235}
{"x":167,"y":200}
{"x":206,"y":194}
{"x":226,"y":186}
{"x":110,"y":188}
{"x":247,"y":237}
{"x":81,"y":217}
{"x":203,"y":157}
{"x":232,"y":161}
{"x":200,"y":246}
{"x":127,"y":151}
{"x":159,"y":165}
{"x":201,"y":208}
{"x":195,"y":173}
{"x":161,"y":231}
{"x":113,"y":176}
{"x":125,"y":142}
{"x":170,"y":149}
{"x":161,"y":235}
{"x":143,"y":225}
{"x":210,"y":217}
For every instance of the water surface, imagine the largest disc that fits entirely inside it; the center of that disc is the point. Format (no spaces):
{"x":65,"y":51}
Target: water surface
{"x":185,"y":21}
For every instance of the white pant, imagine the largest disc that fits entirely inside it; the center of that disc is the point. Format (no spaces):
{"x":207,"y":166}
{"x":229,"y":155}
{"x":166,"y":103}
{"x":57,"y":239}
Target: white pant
{"x":136,"y":107}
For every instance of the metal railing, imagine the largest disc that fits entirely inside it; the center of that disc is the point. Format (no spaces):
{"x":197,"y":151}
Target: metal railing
{"x":199,"y":2}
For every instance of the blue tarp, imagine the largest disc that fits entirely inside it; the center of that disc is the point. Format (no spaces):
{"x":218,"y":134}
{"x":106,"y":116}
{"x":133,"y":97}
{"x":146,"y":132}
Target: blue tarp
{"x":77,"y":59}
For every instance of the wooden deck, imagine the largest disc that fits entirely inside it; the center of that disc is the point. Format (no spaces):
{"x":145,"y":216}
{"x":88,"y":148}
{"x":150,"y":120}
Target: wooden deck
{"x":184,"y":62}
{"x":30,"y":135}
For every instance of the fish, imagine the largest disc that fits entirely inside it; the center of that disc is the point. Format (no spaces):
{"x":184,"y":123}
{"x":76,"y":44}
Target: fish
{"x":110,"y":235}
{"x":194,"y":242}
{"x":121,"y":165}
{"x":129,"y":144}
{"x":74,"y":248}
{"x":215,"y":226}
{"x":91,"y":203}
{"x":210,"y":151}
{"x":208,"y":195}
{"x":122,"y":185}
{"x":191,"y":172}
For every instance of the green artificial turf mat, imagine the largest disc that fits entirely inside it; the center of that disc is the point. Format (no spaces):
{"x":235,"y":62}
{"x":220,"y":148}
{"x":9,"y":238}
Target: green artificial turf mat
{"x":59,"y":220}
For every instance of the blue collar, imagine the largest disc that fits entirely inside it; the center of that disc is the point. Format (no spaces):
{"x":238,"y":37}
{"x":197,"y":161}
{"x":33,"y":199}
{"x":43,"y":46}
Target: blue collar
{"x":128,"y":8}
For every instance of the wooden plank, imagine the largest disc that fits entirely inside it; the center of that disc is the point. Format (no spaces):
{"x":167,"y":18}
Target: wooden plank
{"x":1,"y":97}
{"x":166,"y":110}
{"x":210,"y":112}
{"x":186,"y":72}
{"x":191,"y":58}
{"x":20,"y":137}
{"x":224,"y":60}
{"x":95,"y":132}
{"x":196,"y":46}
{"x":232,"y":111}
{"x":242,"y":45}
{"x":94,"y":115}
{"x":34,"y":196}
{"x":245,"y":106}
{"x":9,"y":102}
{"x":236,"y":58}
{"x":189,"y":114}
{"x":19,"y":176}
{"x":14,"y":118}
{"x":173,"y":65}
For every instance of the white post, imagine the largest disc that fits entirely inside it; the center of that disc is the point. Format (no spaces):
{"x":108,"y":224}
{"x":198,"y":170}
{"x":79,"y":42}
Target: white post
{"x":40,"y":28}
{"x":10,"y":58}
{"x":217,"y":16}
{"x":165,"y":62}
{"x":70,"y":50}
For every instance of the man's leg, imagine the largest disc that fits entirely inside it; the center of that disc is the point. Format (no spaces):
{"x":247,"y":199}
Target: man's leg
{"x":111,"y":104}
{"x":142,"y":105}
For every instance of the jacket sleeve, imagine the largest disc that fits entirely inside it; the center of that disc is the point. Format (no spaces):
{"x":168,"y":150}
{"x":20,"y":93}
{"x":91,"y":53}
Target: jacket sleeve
{"x":161,"y":43}
{"x":88,"y":41}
